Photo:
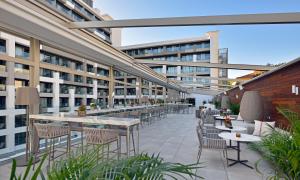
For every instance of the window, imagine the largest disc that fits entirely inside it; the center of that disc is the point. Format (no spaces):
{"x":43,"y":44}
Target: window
{"x":20,"y":120}
{"x":22,"y":51}
{"x":46,"y":73}
{"x":78,"y":101}
{"x":102,"y":82}
{"x":64,"y":89}
{"x":2,"y":122}
{"x":22,"y":69}
{"x":20,"y":138}
{"x":89,"y":80}
{"x":2,"y":102}
{"x":102,"y":72}
{"x":78,"y":78}
{"x":119,"y":92}
{"x":203,"y":56}
{"x":2,"y":46}
{"x":79,"y":90}
{"x":63,"y":102}
{"x":171,"y":70}
{"x":2,"y":142}
{"x":46,"y":102}
{"x":79,"y":66}
{"x":89,"y":91}
{"x":64,"y":76}
{"x":21,"y":83}
{"x":46,"y":87}
{"x":187,"y":69}
{"x":187,"y":58}
{"x":2,"y":83}
{"x":157,"y":69}
{"x":62,"y":8}
{"x":90,"y":68}
{"x":131,"y":91}
{"x":185,"y":47}
{"x":89,"y":101}
{"x":2,"y":66}
{"x":172,"y":58}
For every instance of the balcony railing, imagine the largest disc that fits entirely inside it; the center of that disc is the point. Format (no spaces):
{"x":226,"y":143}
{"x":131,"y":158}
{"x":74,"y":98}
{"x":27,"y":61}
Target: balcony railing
{"x":22,"y":71}
{"x":46,"y":90}
{"x":2,"y":68}
{"x":2,"y":87}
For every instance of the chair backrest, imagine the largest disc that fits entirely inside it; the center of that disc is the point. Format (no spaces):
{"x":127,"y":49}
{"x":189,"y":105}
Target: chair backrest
{"x":100,"y":136}
{"x":50,"y":131}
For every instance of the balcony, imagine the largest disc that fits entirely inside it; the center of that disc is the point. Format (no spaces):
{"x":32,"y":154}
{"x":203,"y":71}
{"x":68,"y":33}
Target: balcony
{"x":22,"y":51}
{"x":22,"y":71}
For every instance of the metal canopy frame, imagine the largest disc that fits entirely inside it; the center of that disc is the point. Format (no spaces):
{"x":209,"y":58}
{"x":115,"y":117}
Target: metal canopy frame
{"x":209,"y":65}
{"x":240,"y":19}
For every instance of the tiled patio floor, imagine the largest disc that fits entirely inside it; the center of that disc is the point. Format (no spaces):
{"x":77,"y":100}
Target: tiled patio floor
{"x":176,"y":140}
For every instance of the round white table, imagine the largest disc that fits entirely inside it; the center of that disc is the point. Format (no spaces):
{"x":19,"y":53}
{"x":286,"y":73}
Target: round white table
{"x":234,"y":129}
{"x":222,"y":118}
{"x":243,"y":138}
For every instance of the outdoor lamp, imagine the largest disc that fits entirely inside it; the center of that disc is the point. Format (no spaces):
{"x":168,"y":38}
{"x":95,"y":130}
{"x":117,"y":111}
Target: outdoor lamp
{"x":27,"y":96}
{"x":251,"y":107}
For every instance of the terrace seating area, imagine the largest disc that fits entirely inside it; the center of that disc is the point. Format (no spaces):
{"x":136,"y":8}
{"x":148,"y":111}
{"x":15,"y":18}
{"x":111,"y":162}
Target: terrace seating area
{"x":173,"y":135}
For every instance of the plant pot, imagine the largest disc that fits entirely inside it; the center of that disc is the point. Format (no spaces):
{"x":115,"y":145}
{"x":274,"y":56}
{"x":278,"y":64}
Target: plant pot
{"x":81,"y":113}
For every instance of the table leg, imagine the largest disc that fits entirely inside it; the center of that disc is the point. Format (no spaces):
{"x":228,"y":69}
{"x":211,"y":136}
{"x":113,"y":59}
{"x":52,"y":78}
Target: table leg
{"x":138,"y":140}
{"x":238,"y":160}
{"x":128,"y":142}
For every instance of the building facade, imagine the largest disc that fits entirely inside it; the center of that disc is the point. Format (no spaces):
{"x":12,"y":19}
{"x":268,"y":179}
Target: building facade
{"x":65,"y":78}
{"x":202,"y":49}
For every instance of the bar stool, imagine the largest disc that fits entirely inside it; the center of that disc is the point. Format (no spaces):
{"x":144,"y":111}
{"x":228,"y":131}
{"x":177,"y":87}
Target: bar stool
{"x":77,"y":127}
{"x":97,"y":136}
{"x":51,"y":132}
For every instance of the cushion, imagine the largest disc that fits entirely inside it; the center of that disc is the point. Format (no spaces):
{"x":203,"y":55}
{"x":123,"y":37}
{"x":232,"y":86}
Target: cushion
{"x":263,"y":128}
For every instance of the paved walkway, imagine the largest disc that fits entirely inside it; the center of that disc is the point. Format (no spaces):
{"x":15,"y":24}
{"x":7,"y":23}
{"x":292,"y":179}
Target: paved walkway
{"x":176,"y":140}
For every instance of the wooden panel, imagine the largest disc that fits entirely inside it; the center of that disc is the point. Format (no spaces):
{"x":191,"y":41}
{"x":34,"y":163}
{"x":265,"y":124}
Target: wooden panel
{"x":276,"y":90}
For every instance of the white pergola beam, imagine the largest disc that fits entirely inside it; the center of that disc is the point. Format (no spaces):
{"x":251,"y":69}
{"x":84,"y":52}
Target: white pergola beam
{"x":194,"y":75}
{"x":241,"y":19}
{"x":209,"y":65}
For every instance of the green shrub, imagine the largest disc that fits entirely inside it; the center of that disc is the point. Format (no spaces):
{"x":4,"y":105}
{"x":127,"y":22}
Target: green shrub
{"x":235,"y":108}
{"x":283,"y":149}
{"x":92,"y":165}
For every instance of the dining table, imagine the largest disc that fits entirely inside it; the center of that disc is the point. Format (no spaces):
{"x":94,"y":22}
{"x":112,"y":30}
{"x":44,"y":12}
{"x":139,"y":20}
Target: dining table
{"x":233,"y":129}
{"x":222,"y":118}
{"x":128,"y":123}
{"x":246,"y":138}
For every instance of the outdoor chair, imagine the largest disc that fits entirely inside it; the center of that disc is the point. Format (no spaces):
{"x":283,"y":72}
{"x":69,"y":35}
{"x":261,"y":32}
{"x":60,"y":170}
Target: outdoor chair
{"x":97,"y":136}
{"x":51,"y":132}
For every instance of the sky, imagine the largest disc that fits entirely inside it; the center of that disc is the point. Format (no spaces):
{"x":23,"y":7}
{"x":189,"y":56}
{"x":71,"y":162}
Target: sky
{"x":247,"y":44}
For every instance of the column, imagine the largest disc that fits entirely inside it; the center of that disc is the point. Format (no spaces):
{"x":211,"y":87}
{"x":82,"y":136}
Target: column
{"x":56,"y":92}
{"x":139,"y":89}
{"x":72,"y":100}
{"x":111,"y":88}
{"x":34,"y":75}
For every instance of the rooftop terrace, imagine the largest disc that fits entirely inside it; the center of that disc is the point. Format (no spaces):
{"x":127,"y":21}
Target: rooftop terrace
{"x":175,"y":139}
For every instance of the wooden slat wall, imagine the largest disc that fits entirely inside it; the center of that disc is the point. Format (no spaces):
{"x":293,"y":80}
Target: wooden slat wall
{"x":276,"y":90}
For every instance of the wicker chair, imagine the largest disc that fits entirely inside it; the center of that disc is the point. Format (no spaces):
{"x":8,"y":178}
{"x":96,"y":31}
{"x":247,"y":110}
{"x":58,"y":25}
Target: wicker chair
{"x":213,"y":141}
{"x":77,"y":127}
{"x":51,"y":132}
{"x":97,"y":136}
{"x":200,"y":139}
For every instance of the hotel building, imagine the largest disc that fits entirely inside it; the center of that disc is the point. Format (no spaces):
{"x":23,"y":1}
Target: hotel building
{"x":201,"y":49}
{"x":69,"y":67}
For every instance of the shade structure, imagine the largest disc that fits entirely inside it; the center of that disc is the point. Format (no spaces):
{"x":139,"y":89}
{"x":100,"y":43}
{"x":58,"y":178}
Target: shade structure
{"x":225,"y":103}
{"x":251,"y":107}
{"x":27,"y":96}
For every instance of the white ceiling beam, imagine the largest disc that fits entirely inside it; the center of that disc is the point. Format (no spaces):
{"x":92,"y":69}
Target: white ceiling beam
{"x":209,"y":65}
{"x":240,"y":19}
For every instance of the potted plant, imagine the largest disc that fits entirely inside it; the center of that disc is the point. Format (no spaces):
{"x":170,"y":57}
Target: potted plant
{"x":82,"y":110}
{"x":93,"y":106}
